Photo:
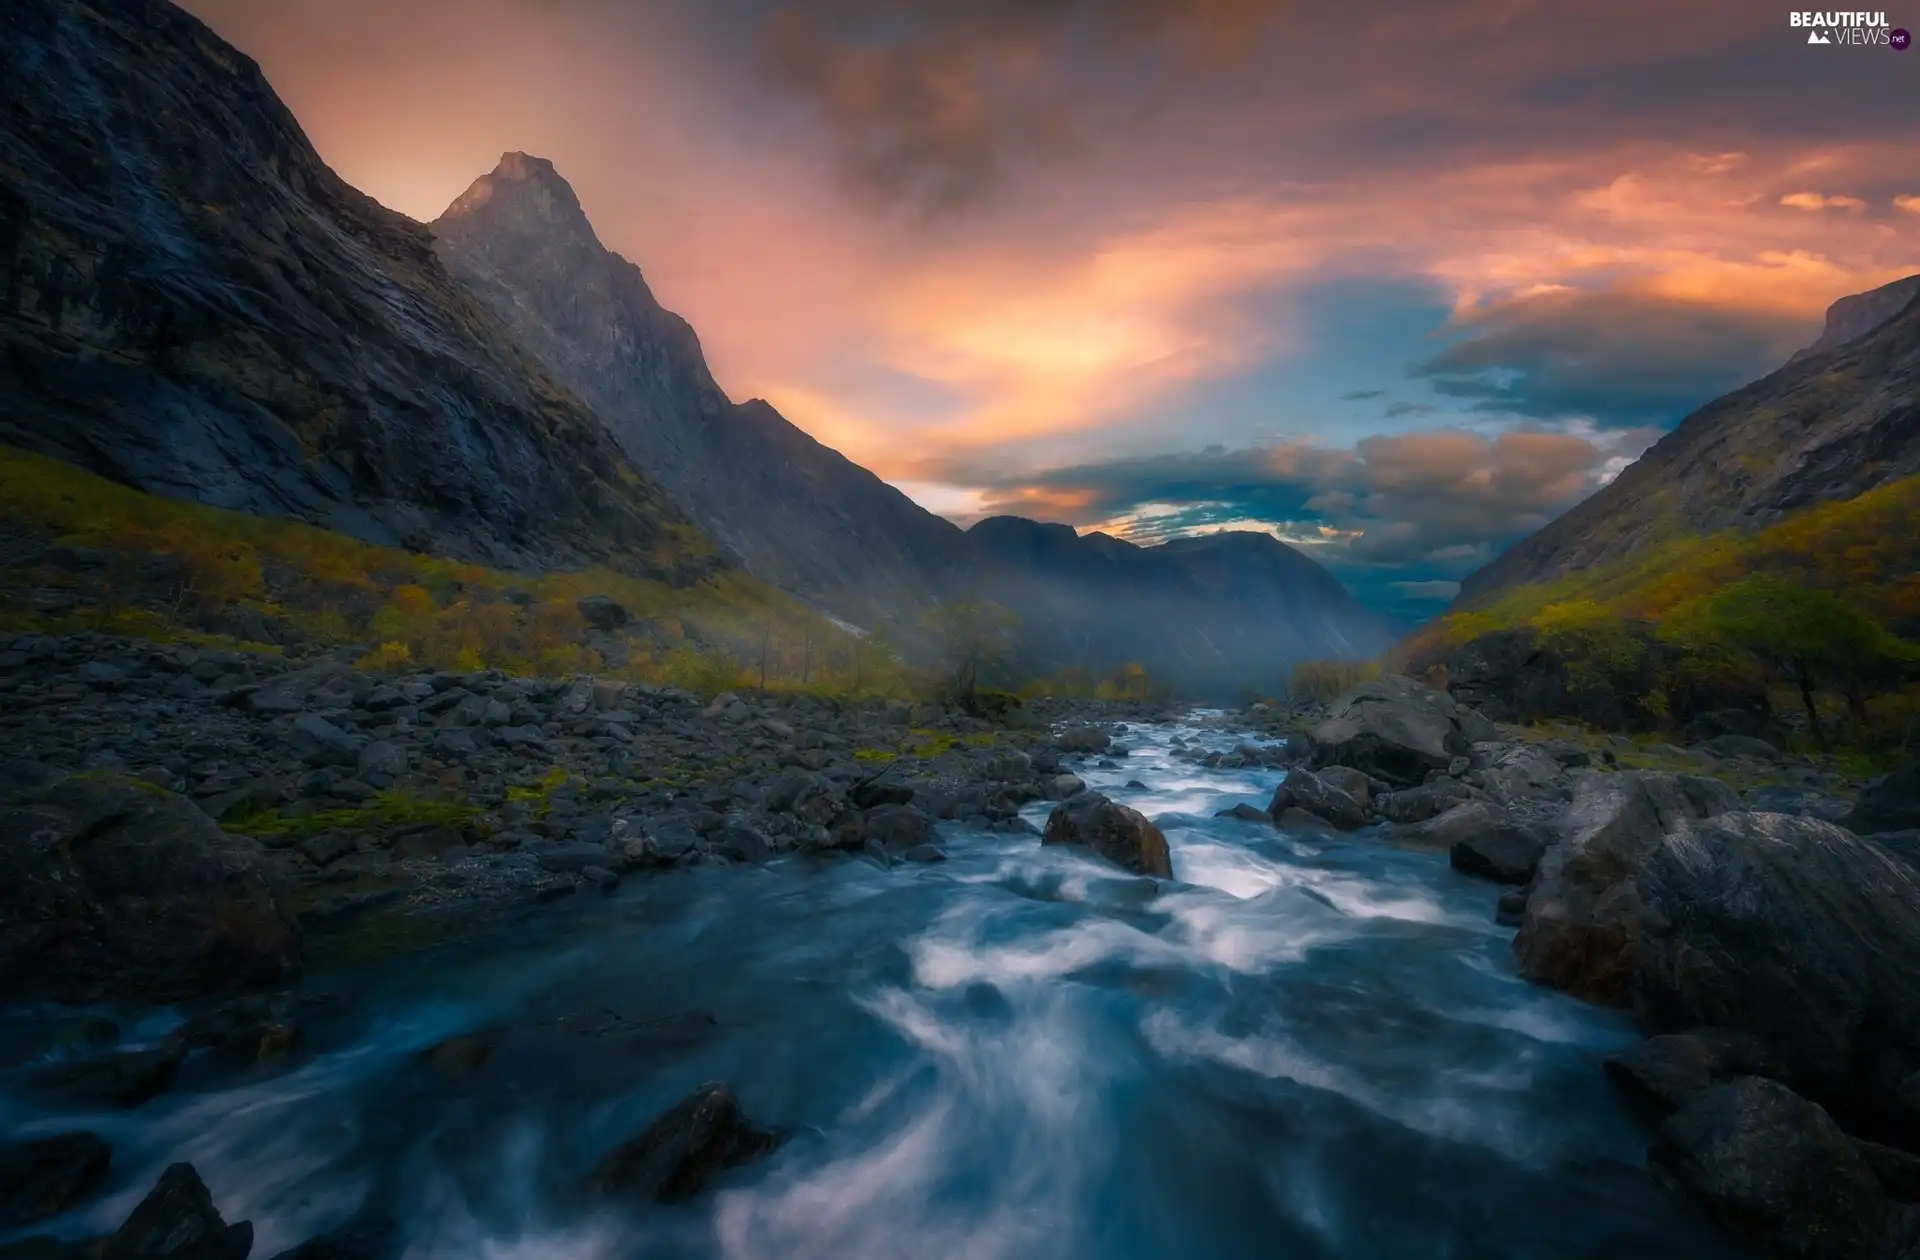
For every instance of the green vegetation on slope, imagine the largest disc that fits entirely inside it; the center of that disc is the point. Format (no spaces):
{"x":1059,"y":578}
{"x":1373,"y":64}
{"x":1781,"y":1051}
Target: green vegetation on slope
{"x":1817,"y":604}
{"x":171,"y":569}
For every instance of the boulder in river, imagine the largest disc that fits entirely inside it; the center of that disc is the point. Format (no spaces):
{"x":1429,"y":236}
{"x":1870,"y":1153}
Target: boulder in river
{"x":43,"y":1177}
{"x":110,"y":885}
{"x":1798,"y":932}
{"x":1582,"y":923}
{"x":1394,"y":729}
{"x":1118,"y":833}
{"x":177,"y":1221}
{"x":1776,"y":1171}
{"x":680,"y":1154}
{"x":1303,"y":789}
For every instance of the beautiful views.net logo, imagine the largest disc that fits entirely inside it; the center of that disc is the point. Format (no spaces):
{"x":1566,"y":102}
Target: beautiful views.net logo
{"x":1860,"y":29}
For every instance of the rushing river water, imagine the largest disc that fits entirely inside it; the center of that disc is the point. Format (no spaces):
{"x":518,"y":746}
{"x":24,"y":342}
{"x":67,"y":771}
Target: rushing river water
{"x":1304,"y":1048}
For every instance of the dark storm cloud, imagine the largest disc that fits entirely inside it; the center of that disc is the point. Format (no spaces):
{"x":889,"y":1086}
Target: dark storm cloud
{"x":1618,"y":358}
{"x":1399,"y":409}
{"x":928,"y":100}
{"x":1361,"y":395}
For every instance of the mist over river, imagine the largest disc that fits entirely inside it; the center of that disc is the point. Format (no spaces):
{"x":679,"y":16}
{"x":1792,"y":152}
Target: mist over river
{"x":1303,"y":1048}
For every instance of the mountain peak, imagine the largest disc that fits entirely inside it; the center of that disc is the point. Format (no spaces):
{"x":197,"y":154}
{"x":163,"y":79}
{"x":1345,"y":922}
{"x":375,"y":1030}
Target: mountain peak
{"x":527,"y":189}
{"x":1858,"y":314}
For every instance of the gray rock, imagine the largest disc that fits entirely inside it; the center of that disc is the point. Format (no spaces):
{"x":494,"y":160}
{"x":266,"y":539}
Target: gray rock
{"x":1805,"y":802}
{"x":1117,"y":833}
{"x":898,"y":827}
{"x":683,"y":1152}
{"x":1890,"y":803}
{"x":382,"y":757}
{"x":1062,"y":786}
{"x":1429,"y":800}
{"x":1776,"y":1171}
{"x":926,"y":853}
{"x":43,"y":1177}
{"x":1668,"y":1071}
{"x":157,"y":902}
{"x":177,"y":1221}
{"x":1506,"y":853}
{"x":1395,"y":729}
{"x":1583,"y":918}
{"x":1083,"y":739}
{"x":1800,"y":933}
{"x":1246,"y":813}
{"x":603,"y":613}
{"x":1303,"y":789}
{"x":319,"y":742}
{"x":1739,"y":747}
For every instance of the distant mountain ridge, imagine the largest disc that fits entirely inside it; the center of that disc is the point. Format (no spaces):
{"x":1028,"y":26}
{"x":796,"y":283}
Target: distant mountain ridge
{"x":196,"y":305}
{"x":1840,"y":418}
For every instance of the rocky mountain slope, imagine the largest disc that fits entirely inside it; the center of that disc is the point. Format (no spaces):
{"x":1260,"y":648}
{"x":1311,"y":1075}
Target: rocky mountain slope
{"x":193,"y":303}
{"x":799,"y":514}
{"x":1836,"y":421}
{"x":1214,"y":613}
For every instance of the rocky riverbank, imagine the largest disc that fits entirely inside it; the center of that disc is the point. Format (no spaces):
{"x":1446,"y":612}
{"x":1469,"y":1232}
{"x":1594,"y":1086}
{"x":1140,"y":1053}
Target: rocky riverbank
{"x":185,"y":824}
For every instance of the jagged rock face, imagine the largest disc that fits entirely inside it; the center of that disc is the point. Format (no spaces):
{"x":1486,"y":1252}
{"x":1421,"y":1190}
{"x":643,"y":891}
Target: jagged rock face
{"x":798,"y":513}
{"x":1829,"y":425}
{"x":193,"y":303}
{"x":1858,"y":314}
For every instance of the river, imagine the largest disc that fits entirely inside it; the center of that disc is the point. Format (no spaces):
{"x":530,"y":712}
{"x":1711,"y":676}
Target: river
{"x":1304,"y":1048}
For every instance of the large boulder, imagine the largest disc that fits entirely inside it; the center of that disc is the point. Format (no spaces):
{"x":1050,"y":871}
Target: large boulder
{"x":1118,"y":833}
{"x":680,"y":1154}
{"x":1891,"y":803}
{"x":1583,"y":918}
{"x":1776,"y":1171}
{"x":1395,"y":729}
{"x":1429,"y":800}
{"x":1303,"y":789}
{"x":112,"y":886}
{"x":1798,"y":932}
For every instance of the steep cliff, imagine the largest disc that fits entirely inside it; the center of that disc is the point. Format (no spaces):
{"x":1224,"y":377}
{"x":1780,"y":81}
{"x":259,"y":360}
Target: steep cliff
{"x":193,"y":303}
{"x":800,"y":514}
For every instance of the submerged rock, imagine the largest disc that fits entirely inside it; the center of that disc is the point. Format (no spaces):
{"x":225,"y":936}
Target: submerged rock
{"x":1776,"y":1171}
{"x":45,"y":1176}
{"x":1118,"y":833}
{"x":680,"y":1154}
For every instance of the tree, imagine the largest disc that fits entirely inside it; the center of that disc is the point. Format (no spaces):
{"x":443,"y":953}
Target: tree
{"x":1811,"y":638}
{"x":976,"y":640}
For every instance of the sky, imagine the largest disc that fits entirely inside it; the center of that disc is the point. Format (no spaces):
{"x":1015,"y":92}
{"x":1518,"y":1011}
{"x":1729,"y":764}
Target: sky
{"x":1397,"y":282}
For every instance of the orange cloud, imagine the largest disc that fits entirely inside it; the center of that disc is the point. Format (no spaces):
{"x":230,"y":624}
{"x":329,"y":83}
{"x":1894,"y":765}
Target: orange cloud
{"x":1815,"y":201}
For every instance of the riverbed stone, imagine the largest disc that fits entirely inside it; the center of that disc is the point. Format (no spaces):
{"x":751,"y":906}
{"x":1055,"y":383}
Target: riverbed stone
{"x":1776,"y":1171}
{"x":1395,"y":729}
{"x":43,"y":1177}
{"x":681,"y":1154}
{"x":1303,"y":789}
{"x":110,"y":885}
{"x":1118,"y":833}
